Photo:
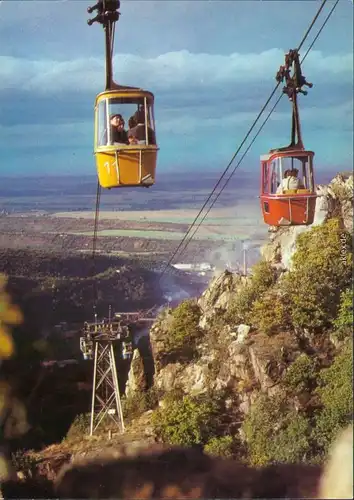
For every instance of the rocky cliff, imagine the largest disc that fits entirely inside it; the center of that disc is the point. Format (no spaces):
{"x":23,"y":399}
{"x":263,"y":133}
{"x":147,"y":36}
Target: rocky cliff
{"x":231,"y":356}
{"x":238,"y":357}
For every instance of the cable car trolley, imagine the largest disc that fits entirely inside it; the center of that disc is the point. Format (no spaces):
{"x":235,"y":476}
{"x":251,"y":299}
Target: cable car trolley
{"x":125,"y":144}
{"x":288,"y":194}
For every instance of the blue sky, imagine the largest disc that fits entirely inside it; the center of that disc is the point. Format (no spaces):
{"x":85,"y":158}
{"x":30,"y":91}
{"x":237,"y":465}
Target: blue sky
{"x":210,"y":64}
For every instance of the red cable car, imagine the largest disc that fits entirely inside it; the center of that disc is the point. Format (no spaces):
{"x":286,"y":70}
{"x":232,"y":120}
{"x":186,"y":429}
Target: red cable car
{"x":288,"y":196}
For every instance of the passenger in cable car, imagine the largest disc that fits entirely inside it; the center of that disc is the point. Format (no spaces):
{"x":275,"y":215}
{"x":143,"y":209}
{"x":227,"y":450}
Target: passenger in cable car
{"x":139,"y":130}
{"x":132,"y":122}
{"x":300,"y":182}
{"x":118,"y":134}
{"x":131,"y":138}
{"x":290,"y":181}
{"x":283,"y":184}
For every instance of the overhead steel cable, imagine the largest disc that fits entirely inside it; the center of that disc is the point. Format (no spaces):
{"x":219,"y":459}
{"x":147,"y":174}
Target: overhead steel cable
{"x":94,"y":247}
{"x":257,"y":134}
{"x":239,"y":148}
{"x":319,"y":31}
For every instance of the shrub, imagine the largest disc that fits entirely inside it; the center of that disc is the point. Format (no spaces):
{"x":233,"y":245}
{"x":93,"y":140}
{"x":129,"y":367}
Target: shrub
{"x":24,"y":462}
{"x":301,"y":375}
{"x":344,"y":320}
{"x":187,"y":421}
{"x":275,"y":432}
{"x":270,"y":313}
{"x":263,"y":277}
{"x":320,"y":273}
{"x":336,"y":394}
{"x":80,"y":426}
{"x":184,"y":329}
{"x":224,"y":446}
{"x":139,"y":402}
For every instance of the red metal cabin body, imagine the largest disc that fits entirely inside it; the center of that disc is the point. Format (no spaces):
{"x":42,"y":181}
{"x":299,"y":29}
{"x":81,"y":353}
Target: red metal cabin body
{"x":288,"y":195}
{"x":285,"y":207}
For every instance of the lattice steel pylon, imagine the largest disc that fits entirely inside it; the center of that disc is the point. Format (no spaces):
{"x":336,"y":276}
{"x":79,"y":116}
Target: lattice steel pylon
{"x":105,"y":389}
{"x":98,"y":342}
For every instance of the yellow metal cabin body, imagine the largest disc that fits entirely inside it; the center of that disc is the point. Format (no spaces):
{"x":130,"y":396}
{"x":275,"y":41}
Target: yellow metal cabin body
{"x":128,"y":162}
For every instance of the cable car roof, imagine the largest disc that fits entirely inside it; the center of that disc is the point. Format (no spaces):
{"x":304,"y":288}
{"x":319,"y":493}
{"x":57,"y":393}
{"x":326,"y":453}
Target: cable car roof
{"x":125,"y":91}
{"x":287,"y":152}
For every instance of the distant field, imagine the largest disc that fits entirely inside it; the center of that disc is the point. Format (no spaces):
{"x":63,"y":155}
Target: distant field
{"x":164,"y":235}
{"x":226,"y":224}
{"x":224,"y":216}
{"x":59,"y":213}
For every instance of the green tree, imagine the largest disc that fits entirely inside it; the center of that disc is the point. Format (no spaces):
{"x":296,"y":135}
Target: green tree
{"x":301,"y":375}
{"x":321,"y":271}
{"x":275,"y":432}
{"x":263,"y":277}
{"x":336,"y":394}
{"x":223,"y":446}
{"x":187,"y":421}
{"x":344,"y":320}
{"x":184,"y":330}
{"x":270,"y":313}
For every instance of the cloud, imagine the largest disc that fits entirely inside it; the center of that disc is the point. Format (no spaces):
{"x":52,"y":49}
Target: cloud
{"x":174,"y":70}
{"x":206,"y":101}
{"x":64,"y":136}
{"x":338,"y":116}
{"x":80,"y":134}
{"x":191,"y":90}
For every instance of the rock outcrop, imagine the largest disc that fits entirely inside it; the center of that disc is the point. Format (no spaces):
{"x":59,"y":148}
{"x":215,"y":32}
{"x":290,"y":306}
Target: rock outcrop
{"x":217,"y":297}
{"x":230,"y":356}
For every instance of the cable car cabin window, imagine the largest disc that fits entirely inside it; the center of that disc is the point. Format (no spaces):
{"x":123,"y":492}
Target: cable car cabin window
{"x":307,"y":174}
{"x":151,"y":117}
{"x":275,"y":175}
{"x":125,"y":122}
{"x":295,"y":172}
{"x":265,"y":189}
{"x":101,"y":125}
{"x":290,"y":173}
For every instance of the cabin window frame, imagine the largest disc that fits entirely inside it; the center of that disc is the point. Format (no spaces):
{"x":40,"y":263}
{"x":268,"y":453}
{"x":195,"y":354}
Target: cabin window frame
{"x":308,"y":173}
{"x":266,"y":179}
{"x":101,"y":123}
{"x":104,"y":111}
{"x":108,"y":128}
{"x":275,"y":175}
{"x":146,"y":121}
{"x":279,"y":164}
{"x":152,"y":116}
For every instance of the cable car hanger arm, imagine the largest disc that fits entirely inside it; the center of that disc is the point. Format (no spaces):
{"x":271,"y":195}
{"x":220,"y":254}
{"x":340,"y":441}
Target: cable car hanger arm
{"x":293,"y":86}
{"x":107,"y":15}
{"x":177,"y":250}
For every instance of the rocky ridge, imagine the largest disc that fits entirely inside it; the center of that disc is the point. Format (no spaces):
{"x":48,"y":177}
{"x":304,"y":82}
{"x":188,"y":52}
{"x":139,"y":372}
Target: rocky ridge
{"x":231,"y":356}
{"x":236,"y":357}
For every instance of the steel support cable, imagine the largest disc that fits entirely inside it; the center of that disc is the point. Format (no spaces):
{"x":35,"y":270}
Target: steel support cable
{"x":94,"y":245}
{"x":220,"y":179}
{"x":238,"y":149}
{"x":319,"y":31}
{"x":111,"y":28}
{"x":258,"y":132}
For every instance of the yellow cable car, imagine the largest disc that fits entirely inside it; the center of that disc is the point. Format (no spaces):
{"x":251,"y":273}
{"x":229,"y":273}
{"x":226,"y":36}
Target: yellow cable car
{"x":125,"y":158}
{"x":125,"y":144}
